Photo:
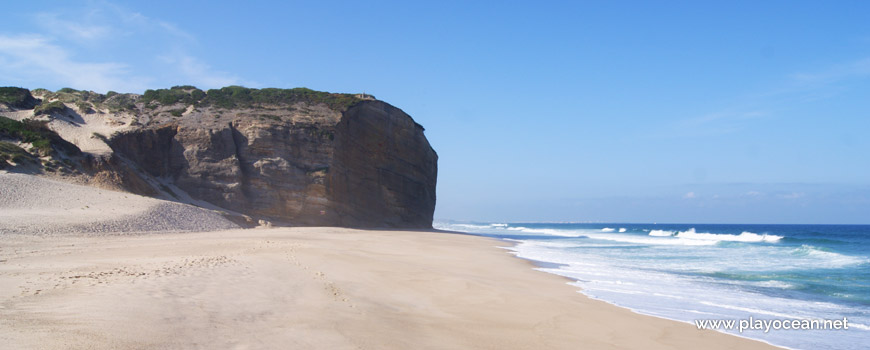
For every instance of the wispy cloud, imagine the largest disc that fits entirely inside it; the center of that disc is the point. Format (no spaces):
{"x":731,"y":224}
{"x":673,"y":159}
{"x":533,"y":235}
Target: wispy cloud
{"x":793,"y":90}
{"x":104,"y":46}
{"x":833,"y":74}
{"x":793,"y":195}
{"x":74,"y":30}
{"x":718,"y":123}
{"x":197,"y":72}
{"x":36,"y":58}
{"x":103,"y":20}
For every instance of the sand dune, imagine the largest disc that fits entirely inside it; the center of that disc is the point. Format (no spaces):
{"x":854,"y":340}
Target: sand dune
{"x":36,"y":205}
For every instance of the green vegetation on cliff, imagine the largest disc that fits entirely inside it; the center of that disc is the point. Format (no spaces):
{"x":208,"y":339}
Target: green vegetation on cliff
{"x":237,"y":96}
{"x":86,"y":101}
{"x":50,"y":108}
{"x":120,"y":102}
{"x":17,"y":97}
{"x":36,"y":133}
{"x":242,"y":97}
{"x":9,"y":151}
{"x":186,"y":94}
{"x":70,"y":95}
{"x":227,"y":97}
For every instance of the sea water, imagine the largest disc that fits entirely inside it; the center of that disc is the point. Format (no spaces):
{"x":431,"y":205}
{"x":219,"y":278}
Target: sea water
{"x":712,"y":272}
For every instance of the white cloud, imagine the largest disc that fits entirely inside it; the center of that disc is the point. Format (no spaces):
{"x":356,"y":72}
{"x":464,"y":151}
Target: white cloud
{"x":793,"y":195}
{"x":39,"y":59}
{"x":72,"y":29}
{"x":794,"y":89}
{"x":850,"y":70}
{"x":103,"y":20}
{"x":718,"y":123}
{"x":141,"y":22}
{"x":198,"y":73}
{"x":68,"y":47}
{"x":689,"y":195}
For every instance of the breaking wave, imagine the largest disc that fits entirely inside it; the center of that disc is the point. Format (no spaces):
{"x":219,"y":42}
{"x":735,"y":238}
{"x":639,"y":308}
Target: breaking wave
{"x":745,"y":236}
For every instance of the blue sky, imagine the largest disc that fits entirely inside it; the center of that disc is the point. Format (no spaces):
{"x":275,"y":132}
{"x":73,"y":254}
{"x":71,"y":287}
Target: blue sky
{"x":716,"y":112}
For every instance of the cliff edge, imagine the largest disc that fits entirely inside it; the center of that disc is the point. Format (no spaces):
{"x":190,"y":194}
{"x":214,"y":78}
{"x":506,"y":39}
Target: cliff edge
{"x":286,"y":156}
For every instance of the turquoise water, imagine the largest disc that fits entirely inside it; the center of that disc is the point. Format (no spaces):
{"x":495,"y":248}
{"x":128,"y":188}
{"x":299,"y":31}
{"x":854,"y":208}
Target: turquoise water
{"x":698,"y":272}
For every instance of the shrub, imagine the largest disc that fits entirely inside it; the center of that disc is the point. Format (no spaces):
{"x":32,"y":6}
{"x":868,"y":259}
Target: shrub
{"x":68,"y":95}
{"x":84,"y":107}
{"x":229,"y":97}
{"x":17,"y":97}
{"x":9,"y":151}
{"x":101,"y":137}
{"x":50,"y":108}
{"x":238,"y":96}
{"x":186,"y":94}
{"x":36,"y":133}
{"x":121,"y":102}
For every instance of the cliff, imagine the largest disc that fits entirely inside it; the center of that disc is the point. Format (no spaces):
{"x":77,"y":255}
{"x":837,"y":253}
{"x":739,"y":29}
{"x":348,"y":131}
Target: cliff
{"x":294,"y":157}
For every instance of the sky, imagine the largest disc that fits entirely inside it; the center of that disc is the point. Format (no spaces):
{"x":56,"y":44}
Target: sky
{"x":565,"y":111}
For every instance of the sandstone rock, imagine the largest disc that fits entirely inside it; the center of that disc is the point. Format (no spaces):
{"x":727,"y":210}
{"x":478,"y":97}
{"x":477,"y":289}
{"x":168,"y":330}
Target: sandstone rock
{"x":367,"y":166}
{"x":288,"y":157}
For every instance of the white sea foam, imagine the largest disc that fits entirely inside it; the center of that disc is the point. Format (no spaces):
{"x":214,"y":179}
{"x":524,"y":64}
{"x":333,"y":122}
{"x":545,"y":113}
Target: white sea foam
{"x":773,"y":284}
{"x":753,"y":310}
{"x":530,"y":244}
{"x":649,"y":240}
{"x":668,"y":281}
{"x":547,"y":231}
{"x":607,"y":229}
{"x":743,"y":237}
{"x":459,"y":226}
{"x":621,"y":230}
{"x":498,"y":225}
{"x":661,"y":233}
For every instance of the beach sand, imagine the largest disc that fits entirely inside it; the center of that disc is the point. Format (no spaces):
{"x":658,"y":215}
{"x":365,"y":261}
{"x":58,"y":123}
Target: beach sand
{"x":306,"y":288}
{"x":303,"y":288}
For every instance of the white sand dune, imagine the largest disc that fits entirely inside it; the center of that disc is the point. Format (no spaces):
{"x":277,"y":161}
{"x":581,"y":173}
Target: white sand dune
{"x":80,"y":128}
{"x":35,"y":205}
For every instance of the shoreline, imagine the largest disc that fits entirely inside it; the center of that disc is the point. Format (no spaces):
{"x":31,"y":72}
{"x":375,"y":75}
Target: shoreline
{"x":338,"y":288}
{"x":537,"y":265}
{"x":745,"y":281}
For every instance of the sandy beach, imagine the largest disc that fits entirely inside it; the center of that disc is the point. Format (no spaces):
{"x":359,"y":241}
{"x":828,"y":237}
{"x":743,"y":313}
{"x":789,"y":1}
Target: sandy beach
{"x":301,"y":288}
{"x":306,"y":288}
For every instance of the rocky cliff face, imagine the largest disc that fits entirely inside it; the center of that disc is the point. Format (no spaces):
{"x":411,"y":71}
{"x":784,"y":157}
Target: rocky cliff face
{"x":278,"y":155}
{"x":381,"y":162}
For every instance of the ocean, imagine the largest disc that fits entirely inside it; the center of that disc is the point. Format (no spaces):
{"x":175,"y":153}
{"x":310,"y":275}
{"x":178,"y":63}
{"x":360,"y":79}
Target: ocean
{"x":692,"y":273}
